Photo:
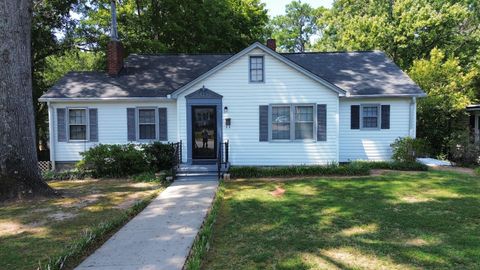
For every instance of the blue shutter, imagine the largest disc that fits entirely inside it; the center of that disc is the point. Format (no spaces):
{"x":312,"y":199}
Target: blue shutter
{"x":61,"y":125}
{"x":321,"y":122}
{"x":162,"y":124}
{"x":263,"y":123}
{"x":385,"y":117}
{"x":355,"y":117}
{"x":131,"y":126}
{"x":93,"y":121}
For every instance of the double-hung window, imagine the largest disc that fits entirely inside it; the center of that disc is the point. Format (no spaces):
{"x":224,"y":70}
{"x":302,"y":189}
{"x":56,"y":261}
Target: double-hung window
{"x":256,"y":69}
{"x":77,"y":124}
{"x":370,"y":116}
{"x":292,"y":122}
{"x":147,"y":124}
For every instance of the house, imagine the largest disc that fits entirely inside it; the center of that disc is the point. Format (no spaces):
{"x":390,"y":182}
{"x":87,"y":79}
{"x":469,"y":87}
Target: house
{"x":273,"y":108}
{"x":474,"y":113}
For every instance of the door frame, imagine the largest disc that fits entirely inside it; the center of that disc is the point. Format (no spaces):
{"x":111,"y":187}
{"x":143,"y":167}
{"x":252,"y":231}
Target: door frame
{"x":215,"y":145}
{"x":203,"y":97}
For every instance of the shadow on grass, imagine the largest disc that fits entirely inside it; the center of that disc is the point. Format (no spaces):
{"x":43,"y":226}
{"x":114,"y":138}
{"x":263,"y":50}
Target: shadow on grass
{"x":397,"y":221}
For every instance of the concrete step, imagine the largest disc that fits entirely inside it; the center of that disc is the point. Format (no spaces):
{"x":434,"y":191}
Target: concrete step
{"x":196,"y":178}
{"x":197,"y":168}
{"x":195,"y":174}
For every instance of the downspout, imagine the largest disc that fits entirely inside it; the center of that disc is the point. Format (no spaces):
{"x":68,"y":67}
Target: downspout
{"x":413,"y":118}
{"x":51,"y":135}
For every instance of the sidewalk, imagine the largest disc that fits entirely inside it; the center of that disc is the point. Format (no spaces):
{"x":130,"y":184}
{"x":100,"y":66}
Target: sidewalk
{"x":160,"y":237}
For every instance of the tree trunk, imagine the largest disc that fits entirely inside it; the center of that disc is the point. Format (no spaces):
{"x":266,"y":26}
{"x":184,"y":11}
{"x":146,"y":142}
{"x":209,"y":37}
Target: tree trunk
{"x":19,"y":174}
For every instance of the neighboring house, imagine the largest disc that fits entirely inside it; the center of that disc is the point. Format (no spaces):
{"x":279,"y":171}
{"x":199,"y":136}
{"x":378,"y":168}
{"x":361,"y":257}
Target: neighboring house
{"x":474,"y":112}
{"x":273,"y":108}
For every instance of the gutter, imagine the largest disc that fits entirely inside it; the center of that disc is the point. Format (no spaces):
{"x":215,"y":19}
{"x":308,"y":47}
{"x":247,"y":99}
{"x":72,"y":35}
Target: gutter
{"x":168,"y":98}
{"x":51,"y":135}
{"x":387,"y":96}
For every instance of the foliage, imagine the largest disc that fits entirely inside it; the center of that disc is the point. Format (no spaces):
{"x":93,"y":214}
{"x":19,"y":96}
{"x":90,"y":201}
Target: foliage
{"x":408,"y":149}
{"x":93,"y":238}
{"x":393,"y":165}
{"x":294,"y":29}
{"x":449,"y":91}
{"x":176,"y":25}
{"x":202,"y":242}
{"x":152,"y":177}
{"x":477,"y":171}
{"x":463,"y":149}
{"x":114,"y":160}
{"x":66,"y":175}
{"x":160,"y":155}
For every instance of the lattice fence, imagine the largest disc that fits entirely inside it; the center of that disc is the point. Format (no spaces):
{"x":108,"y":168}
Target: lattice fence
{"x":44,"y":166}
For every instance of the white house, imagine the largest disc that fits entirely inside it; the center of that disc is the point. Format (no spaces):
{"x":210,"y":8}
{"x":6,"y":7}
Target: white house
{"x":273,"y":108}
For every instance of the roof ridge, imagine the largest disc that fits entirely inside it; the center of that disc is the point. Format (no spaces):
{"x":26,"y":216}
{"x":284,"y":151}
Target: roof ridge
{"x":334,"y":52}
{"x":172,"y":54}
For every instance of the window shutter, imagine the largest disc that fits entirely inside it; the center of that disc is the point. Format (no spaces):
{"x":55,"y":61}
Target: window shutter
{"x":61,"y":125}
{"x":385,"y":116}
{"x":472,"y":121}
{"x":162,"y":124}
{"x":321,"y":122}
{"x":131,"y":127}
{"x":93,"y":121}
{"x":355,"y":117}
{"x":263,"y":123}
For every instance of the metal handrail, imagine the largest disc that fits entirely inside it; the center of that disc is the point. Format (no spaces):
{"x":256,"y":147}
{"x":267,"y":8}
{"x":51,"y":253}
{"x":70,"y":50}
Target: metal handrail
{"x":222,"y":157}
{"x":177,"y":157}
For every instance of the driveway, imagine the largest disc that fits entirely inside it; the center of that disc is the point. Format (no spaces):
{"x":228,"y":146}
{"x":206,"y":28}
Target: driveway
{"x":160,"y":237}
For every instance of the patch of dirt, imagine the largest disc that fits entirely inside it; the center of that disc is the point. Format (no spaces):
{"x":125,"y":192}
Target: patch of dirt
{"x":413,"y":199}
{"x":131,"y":199}
{"x":377,"y":172}
{"x":59,"y":216}
{"x":278,"y":192}
{"x":12,"y":228}
{"x":416,"y":242}
{"x":455,"y":169}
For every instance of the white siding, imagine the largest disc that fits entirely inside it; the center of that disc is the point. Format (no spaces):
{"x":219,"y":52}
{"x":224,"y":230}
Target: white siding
{"x":112,"y":126}
{"x":282,"y":84}
{"x":357,"y":144}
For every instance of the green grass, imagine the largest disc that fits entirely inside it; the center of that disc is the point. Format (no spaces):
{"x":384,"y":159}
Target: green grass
{"x":423,"y":220}
{"x":41,"y":231}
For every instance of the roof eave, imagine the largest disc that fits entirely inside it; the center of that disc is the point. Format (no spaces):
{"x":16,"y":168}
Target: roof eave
{"x":420,"y":95}
{"x":49,"y":99}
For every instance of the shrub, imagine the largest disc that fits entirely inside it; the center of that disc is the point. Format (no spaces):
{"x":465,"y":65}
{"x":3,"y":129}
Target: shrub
{"x":332,"y":169}
{"x":66,"y":175}
{"x":393,"y":165}
{"x":160,"y":156}
{"x":463,"y":149}
{"x":477,"y":171}
{"x":152,"y":177}
{"x":112,"y":160}
{"x":407,"y":149}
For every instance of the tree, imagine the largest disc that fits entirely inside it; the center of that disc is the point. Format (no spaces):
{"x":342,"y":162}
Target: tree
{"x":294,"y":29}
{"x":19,"y":174}
{"x":157,"y":26}
{"x":441,"y":114}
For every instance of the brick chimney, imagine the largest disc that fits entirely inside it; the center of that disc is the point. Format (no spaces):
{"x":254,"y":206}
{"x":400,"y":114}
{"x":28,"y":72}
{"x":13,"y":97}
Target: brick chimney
{"x":114,"y":57}
{"x":114,"y":47}
{"x":272,"y":44}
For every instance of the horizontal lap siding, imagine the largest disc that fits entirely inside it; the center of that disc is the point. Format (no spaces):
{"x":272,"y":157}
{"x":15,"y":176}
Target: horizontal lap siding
{"x":112,"y":126}
{"x":282,"y":85}
{"x":357,"y":144}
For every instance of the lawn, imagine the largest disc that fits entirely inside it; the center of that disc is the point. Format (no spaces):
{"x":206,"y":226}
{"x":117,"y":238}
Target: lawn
{"x":426,"y":220}
{"x":33,"y":231}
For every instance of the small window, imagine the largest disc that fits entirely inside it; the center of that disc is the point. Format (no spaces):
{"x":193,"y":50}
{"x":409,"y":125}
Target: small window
{"x":256,"y":69}
{"x":77,"y":124}
{"x":281,"y":123}
{"x":304,"y":122}
{"x":147,"y":124}
{"x":370,"y":117}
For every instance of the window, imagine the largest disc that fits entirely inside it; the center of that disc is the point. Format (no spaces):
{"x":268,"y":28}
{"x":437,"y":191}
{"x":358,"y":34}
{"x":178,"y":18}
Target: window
{"x":77,"y":124}
{"x":292,"y":122}
{"x":147,"y":124}
{"x":303,"y":122}
{"x":370,"y":116}
{"x":256,"y":69}
{"x":280,"y":122}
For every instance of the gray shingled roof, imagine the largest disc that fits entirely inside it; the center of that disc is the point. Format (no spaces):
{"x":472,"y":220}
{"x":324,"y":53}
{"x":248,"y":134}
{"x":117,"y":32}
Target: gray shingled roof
{"x":358,"y":73}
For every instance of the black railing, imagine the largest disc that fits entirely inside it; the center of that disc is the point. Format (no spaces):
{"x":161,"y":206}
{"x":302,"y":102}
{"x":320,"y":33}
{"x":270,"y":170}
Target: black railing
{"x":177,"y":157}
{"x":222,"y":157}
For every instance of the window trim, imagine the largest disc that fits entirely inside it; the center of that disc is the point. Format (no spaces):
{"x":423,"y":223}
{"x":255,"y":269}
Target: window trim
{"x":292,"y":122}
{"x":87,"y":124}
{"x":379,"y":116}
{"x":137,"y":123}
{"x":250,"y":67}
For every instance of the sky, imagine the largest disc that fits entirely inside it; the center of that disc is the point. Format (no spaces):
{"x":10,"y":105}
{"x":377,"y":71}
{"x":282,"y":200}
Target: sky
{"x":277,"y":7}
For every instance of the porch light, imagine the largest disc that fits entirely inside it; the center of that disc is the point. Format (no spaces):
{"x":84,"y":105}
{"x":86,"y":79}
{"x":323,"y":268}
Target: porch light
{"x":225,"y":109}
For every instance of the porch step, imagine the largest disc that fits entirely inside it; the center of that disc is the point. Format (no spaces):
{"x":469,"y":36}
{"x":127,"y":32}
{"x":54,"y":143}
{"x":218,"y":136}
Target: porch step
{"x":197,"y":168}
{"x":197,"y":178}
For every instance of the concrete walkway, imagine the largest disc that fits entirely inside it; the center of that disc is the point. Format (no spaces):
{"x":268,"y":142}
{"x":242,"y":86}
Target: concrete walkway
{"x":160,"y":237}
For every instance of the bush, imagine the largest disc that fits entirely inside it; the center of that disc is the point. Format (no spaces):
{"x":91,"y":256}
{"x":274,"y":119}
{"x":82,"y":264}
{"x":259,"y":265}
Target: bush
{"x":463,"y":149}
{"x":332,"y":169}
{"x":393,"y":165}
{"x":408,"y":149}
{"x":112,"y":160}
{"x":477,"y":171}
{"x":66,"y":175}
{"x":160,"y":156}
{"x":152,"y":177}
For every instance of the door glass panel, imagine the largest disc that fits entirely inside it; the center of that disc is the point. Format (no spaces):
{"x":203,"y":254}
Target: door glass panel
{"x":204,"y":132}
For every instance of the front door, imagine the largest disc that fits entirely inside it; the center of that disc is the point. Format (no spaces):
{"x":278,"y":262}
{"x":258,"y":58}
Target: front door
{"x":204,"y":132}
